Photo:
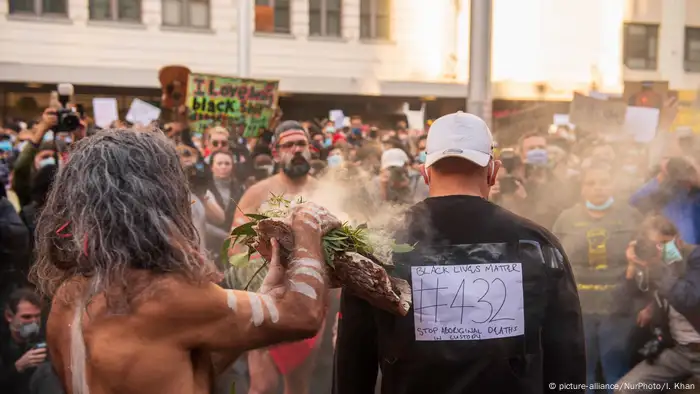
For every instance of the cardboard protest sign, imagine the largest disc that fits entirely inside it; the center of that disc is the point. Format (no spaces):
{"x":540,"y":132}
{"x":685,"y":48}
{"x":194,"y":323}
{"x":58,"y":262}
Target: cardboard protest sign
{"x":649,"y":94}
{"x":231,"y":102}
{"x":532,"y":117}
{"x":593,"y":115}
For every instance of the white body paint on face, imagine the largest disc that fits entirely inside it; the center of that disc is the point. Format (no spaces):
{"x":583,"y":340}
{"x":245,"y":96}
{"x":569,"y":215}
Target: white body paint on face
{"x":308,"y":271}
{"x":307,"y":262}
{"x":303,"y":288}
{"x":256,"y":309}
{"x":231,"y":300}
{"x":271,"y":307}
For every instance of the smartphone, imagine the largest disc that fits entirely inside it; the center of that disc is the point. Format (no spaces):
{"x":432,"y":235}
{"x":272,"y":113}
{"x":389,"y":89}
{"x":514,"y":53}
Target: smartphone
{"x":40,"y":345}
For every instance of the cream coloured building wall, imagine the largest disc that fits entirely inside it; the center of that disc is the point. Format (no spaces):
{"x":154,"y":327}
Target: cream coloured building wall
{"x":542,"y":49}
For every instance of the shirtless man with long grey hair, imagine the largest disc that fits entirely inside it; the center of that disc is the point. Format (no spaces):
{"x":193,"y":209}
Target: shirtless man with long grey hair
{"x":135,"y":308}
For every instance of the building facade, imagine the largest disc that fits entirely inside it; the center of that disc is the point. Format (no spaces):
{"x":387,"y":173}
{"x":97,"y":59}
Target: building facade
{"x":361,"y":49}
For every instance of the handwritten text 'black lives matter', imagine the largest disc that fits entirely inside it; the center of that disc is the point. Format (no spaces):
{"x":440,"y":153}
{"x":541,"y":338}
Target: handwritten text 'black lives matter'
{"x":468,"y":302}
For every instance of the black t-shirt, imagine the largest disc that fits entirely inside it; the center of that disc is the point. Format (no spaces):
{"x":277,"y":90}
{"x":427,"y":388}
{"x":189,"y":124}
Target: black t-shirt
{"x":505,"y":318}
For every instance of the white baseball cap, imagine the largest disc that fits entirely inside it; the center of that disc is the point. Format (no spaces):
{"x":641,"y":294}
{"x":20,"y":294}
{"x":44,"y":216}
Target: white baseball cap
{"x":393,"y":157}
{"x":459,"y":135}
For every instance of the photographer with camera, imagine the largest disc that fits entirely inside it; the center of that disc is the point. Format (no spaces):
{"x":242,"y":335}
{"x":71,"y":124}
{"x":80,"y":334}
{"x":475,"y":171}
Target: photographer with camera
{"x":67,"y":125}
{"x":398,"y":183}
{"x":200,"y":180}
{"x":669,"y":269}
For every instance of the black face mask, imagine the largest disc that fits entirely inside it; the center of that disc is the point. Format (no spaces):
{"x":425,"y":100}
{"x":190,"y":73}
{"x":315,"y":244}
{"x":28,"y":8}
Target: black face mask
{"x":297,"y":167}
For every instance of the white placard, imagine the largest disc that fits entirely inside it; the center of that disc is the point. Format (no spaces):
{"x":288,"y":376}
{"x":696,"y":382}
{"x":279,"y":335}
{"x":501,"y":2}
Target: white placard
{"x":105,"y":110}
{"x":561,"y":120}
{"x":336,"y":116}
{"x":142,"y":112}
{"x":642,"y":123}
{"x":415,"y":119}
{"x":468,"y":302}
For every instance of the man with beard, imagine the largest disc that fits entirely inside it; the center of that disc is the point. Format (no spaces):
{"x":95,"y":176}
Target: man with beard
{"x":294,"y":361}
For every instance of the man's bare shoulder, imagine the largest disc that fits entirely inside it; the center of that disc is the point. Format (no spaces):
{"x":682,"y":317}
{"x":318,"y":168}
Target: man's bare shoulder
{"x":261,"y":188}
{"x":151,"y":294}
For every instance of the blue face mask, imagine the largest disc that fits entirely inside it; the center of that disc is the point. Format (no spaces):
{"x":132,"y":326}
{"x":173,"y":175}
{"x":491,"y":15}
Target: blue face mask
{"x":537,"y":157}
{"x":671,"y":253}
{"x":327,"y":142}
{"x":422,"y":156}
{"x":602,"y":207}
{"x":49,"y":161}
{"x":357,"y":131}
{"x":335,"y":161}
{"x":5,"y":145}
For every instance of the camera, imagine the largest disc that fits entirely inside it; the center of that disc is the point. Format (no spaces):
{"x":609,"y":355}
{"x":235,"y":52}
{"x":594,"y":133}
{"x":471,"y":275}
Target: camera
{"x":509,"y":160}
{"x":646,"y":250}
{"x":199,"y":178}
{"x":652,"y":349}
{"x":68,"y":120}
{"x":398,"y":174}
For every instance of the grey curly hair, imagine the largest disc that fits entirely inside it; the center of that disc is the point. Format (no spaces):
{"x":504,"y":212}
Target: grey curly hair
{"x":120,"y":203}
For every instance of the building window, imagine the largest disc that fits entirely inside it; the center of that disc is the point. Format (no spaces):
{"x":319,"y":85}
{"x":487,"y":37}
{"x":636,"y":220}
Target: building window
{"x":375,"y":19}
{"x":692,"y":49}
{"x":641,"y":46}
{"x":116,"y":10}
{"x":273,"y":16}
{"x":39,"y":7}
{"x":188,"y":13}
{"x":325,"y":17}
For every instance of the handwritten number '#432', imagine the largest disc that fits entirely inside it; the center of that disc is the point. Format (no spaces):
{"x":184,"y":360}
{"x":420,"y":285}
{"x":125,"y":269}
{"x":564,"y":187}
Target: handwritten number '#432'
{"x":492,"y":317}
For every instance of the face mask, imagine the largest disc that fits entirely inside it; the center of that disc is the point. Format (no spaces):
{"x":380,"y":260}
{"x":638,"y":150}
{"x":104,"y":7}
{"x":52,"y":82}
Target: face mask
{"x":671,"y":253}
{"x":327,"y":142}
{"x":422,"y":156}
{"x":297,"y":167}
{"x":330,"y":129}
{"x":49,"y":161}
{"x":5,"y":145}
{"x":28,"y":330}
{"x":335,"y":161}
{"x":602,"y":207}
{"x":537,"y":157}
{"x":357,"y":131}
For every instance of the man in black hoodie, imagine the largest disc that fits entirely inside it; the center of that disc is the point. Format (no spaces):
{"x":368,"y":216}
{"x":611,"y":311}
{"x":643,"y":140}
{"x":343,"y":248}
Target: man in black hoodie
{"x":495,"y":307}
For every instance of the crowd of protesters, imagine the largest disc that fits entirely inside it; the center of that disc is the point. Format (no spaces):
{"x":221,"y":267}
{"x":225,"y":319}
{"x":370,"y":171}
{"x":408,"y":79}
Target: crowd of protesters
{"x":627,"y":222}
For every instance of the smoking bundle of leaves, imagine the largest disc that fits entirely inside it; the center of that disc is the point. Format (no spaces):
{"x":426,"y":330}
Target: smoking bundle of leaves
{"x":357,"y":257}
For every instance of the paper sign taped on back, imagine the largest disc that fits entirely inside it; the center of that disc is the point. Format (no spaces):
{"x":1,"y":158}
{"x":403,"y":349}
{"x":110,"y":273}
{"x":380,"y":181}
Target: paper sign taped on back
{"x":468,"y":302}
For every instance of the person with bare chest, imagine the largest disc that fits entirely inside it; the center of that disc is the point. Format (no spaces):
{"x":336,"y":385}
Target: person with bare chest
{"x":293,"y":361}
{"x":135,"y":308}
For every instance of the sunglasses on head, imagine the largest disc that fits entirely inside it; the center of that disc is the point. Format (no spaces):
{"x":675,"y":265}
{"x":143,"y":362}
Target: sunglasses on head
{"x":216,"y":143}
{"x":291,"y":144}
